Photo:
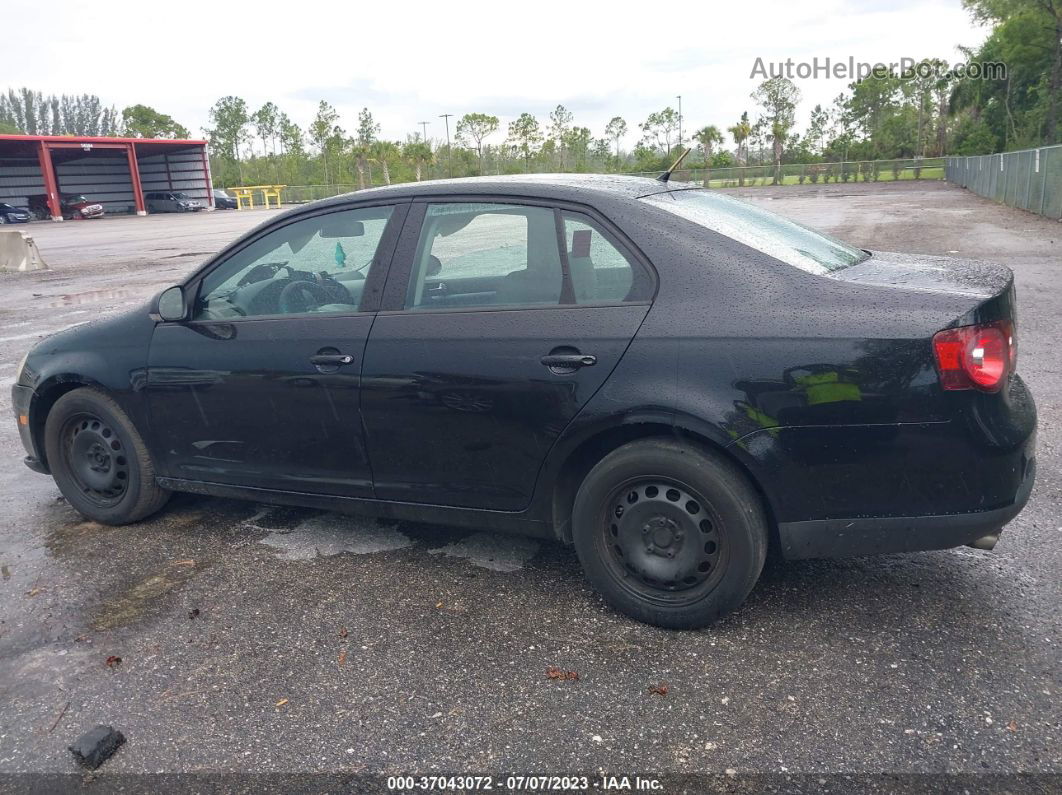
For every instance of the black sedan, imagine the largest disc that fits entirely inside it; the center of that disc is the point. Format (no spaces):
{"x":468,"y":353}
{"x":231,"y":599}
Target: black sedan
{"x":223,"y":201}
{"x":667,"y":378}
{"x":14,"y":215}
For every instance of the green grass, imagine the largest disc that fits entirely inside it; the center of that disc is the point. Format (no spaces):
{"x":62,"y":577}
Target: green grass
{"x":885,"y":175}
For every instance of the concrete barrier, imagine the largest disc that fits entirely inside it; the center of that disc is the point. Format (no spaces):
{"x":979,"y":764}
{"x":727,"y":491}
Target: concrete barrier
{"x":18,"y":252}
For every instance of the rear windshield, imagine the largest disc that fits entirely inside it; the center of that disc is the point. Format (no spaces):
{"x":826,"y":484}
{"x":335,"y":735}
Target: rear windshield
{"x":764,"y":231}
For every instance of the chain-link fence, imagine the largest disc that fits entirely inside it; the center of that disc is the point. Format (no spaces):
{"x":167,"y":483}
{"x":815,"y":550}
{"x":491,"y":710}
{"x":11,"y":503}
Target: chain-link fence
{"x":1030,"y":179}
{"x":301,"y":194}
{"x":812,"y":173}
{"x":732,"y":177}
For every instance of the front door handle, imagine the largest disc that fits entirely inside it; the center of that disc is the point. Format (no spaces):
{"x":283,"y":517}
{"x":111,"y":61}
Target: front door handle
{"x":331,"y":359}
{"x":566,"y":360}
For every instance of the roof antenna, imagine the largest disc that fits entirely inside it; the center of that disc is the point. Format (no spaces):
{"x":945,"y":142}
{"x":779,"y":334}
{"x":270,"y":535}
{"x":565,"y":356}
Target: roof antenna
{"x":667,"y":174}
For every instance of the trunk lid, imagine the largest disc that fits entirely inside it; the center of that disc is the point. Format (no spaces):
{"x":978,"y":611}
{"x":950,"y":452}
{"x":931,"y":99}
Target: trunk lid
{"x":930,"y":273}
{"x":982,"y":292}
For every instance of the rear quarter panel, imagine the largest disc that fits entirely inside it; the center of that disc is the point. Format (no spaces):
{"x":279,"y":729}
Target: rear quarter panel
{"x":825,"y":391}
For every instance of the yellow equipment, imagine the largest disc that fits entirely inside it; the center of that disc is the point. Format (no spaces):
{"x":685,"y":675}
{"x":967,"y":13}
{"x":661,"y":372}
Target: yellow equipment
{"x":246,"y":194}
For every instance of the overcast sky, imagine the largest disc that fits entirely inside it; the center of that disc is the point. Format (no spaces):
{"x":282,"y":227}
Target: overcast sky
{"x":410,"y":61}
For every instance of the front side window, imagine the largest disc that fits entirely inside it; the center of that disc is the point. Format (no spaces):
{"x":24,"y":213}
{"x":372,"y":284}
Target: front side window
{"x":764,"y":231}
{"x":313,"y":265}
{"x":485,"y":254}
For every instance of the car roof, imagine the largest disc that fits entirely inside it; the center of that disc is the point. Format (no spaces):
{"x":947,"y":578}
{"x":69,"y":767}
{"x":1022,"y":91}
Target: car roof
{"x":545,"y":186}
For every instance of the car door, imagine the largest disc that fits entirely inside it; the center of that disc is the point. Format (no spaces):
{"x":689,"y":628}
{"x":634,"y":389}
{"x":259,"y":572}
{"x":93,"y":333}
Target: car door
{"x":260,"y":387}
{"x":484,"y":350}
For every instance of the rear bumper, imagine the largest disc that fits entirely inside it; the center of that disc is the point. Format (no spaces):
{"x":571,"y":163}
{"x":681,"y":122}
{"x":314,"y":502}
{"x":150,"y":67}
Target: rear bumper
{"x":837,"y":538}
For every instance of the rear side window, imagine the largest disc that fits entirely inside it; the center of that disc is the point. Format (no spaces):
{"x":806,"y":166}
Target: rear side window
{"x":599,"y":268}
{"x":764,"y":231}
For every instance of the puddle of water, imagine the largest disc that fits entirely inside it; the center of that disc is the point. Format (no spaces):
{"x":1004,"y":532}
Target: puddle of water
{"x":324,"y":536}
{"x":89,"y":297}
{"x":496,"y":552}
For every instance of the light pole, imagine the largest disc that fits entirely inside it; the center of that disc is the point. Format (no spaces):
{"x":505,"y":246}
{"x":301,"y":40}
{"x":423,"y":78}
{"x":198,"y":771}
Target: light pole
{"x":449,"y":149}
{"x":680,"y":120}
{"x":424,"y":126}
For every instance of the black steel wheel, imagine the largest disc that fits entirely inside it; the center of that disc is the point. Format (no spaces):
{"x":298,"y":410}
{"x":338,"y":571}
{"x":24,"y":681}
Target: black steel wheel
{"x":99,"y":460}
{"x":95,"y":458}
{"x":669,"y":533}
{"x":664,"y":539}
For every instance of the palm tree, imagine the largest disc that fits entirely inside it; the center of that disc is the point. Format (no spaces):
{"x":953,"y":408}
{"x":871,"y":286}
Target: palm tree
{"x":419,"y":153}
{"x":361,"y":154}
{"x":740,"y":132}
{"x":383,"y":152}
{"x":708,"y":137}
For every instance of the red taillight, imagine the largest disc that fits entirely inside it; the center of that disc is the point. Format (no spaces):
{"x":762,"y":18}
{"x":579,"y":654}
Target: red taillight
{"x":976,"y":357}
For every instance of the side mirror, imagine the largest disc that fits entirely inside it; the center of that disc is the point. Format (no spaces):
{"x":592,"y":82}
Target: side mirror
{"x":170,"y":304}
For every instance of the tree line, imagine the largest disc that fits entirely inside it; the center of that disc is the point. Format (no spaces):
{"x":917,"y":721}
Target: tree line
{"x":927,"y":111}
{"x":32,"y":113}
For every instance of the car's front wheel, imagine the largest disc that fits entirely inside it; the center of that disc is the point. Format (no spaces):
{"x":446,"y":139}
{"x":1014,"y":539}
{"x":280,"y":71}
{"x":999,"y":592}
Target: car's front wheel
{"x":99,"y":461}
{"x":669,"y":534}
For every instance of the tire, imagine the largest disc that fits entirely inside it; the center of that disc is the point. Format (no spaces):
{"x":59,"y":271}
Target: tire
{"x":99,"y":460}
{"x":3,"y":219}
{"x":669,"y":534}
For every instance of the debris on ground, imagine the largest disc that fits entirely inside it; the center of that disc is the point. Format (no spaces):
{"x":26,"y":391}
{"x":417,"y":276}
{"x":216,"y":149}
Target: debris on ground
{"x":555,"y":673}
{"x":342,"y":656}
{"x":193,"y":613}
{"x":60,"y":717}
{"x":660,"y":689}
{"x":114,"y":661}
{"x":282,"y":702}
{"x":343,"y":632}
{"x":96,"y":746}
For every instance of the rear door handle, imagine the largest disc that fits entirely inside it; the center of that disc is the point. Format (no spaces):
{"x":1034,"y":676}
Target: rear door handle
{"x":331,"y":359}
{"x":569,"y":360}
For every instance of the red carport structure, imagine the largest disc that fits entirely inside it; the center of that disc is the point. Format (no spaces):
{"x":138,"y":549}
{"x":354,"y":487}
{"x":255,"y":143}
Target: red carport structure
{"x":113,"y":172}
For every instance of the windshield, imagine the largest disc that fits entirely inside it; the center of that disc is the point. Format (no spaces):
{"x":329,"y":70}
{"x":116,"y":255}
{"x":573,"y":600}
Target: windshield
{"x":764,"y":231}
{"x":74,"y":198}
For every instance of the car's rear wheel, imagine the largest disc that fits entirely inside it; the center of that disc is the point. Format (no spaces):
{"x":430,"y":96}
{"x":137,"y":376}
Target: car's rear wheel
{"x":669,"y":534}
{"x":99,"y":461}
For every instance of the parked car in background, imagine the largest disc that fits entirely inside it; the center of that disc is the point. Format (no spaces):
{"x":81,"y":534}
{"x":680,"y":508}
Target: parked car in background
{"x":14,"y":215}
{"x":171,"y":201}
{"x":667,"y":378}
{"x":223,"y":201}
{"x":71,"y":205}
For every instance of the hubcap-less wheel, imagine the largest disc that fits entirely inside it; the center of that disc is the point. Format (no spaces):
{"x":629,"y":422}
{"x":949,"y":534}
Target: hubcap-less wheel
{"x":96,"y":459}
{"x":664,"y":540}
